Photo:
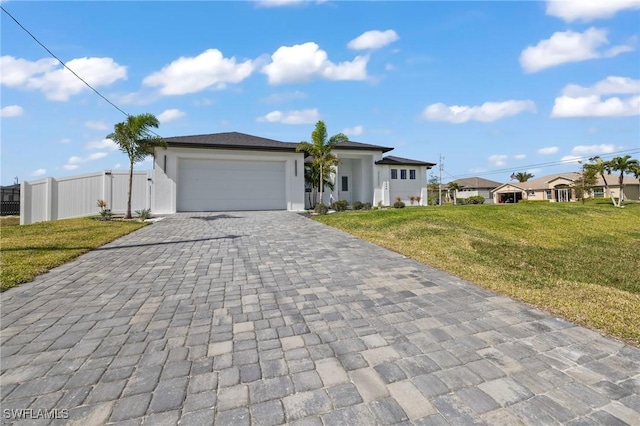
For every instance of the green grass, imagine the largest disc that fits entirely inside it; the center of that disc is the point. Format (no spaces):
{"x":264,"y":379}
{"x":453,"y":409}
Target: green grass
{"x":30,"y":250}
{"x":580,"y":262}
{"x":9,"y":220}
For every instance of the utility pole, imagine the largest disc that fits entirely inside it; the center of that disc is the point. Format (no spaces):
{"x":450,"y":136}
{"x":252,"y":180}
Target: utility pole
{"x":440,"y":180}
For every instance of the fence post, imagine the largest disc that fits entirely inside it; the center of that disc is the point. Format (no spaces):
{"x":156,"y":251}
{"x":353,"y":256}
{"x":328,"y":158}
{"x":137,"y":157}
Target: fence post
{"x":49,"y":199}
{"x":107,"y":188}
{"x":23,"y":205}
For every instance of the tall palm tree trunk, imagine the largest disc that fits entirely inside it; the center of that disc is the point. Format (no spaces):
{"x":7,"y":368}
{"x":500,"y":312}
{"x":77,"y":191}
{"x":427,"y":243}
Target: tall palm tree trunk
{"x":606,"y":186}
{"x":128,"y":213}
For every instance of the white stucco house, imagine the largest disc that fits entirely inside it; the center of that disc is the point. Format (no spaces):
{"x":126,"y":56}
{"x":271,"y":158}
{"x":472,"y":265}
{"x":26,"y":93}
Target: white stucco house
{"x":236,"y":171}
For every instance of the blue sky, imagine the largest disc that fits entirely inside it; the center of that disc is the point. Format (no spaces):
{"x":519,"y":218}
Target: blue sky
{"x":494,"y":87}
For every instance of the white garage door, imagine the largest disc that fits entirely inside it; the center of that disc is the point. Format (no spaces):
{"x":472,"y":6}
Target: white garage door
{"x":218,"y":185}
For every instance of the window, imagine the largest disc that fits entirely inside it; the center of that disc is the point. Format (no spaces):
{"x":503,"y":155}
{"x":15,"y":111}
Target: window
{"x":412,"y":174}
{"x":598,"y":192}
{"x":548,"y":194}
{"x":345,"y":183}
{"x":394,"y":173}
{"x":403,"y":174}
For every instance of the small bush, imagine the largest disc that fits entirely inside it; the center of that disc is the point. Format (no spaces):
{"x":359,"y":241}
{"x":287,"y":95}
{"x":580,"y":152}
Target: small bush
{"x":105,"y":213}
{"x":144,"y":214}
{"x":476,"y":199}
{"x":321,"y":209}
{"x":340,"y":205}
{"x":412,"y":199}
{"x":418,"y":198}
{"x":357,"y":205}
{"x":366,"y":206}
{"x":398,"y":204}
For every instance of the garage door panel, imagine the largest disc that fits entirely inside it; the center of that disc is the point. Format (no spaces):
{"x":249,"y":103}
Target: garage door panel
{"x":214,"y":185}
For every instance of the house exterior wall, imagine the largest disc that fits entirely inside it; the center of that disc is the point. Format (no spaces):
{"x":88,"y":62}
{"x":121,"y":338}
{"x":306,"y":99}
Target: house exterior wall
{"x":403,"y":188}
{"x":466,"y":193}
{"x":166,"y":163}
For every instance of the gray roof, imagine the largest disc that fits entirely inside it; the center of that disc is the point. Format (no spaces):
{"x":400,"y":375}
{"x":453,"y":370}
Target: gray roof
{"x":236,"y":140}
{"x":399,"y":161}
{"x":230,"y":140}
{"x":476,"y":182}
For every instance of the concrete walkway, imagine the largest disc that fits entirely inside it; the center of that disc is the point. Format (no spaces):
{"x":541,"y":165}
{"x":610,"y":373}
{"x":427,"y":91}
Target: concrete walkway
{"x":267,"y":318}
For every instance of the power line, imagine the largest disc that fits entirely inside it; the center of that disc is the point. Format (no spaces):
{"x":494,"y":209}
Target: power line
{"x":63,"y":64}
{"x":542,"y":165}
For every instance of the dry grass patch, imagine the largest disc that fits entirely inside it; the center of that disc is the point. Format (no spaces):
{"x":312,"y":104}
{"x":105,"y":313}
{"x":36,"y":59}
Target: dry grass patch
{"x":577,"y":261}
{"x":30,"y":250}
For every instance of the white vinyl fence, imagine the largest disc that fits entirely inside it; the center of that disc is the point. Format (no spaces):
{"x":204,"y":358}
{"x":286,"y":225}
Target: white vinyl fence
{"x":77,"y":196}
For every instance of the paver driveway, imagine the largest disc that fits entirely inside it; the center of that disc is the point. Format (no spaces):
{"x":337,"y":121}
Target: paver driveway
{"x":266,"y":318}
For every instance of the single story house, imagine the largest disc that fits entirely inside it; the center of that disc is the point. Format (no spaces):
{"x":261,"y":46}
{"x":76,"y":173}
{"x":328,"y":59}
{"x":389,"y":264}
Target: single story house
{"x":236,"y":171}
{"x":476,"y":186}
{"x":559,"y":188}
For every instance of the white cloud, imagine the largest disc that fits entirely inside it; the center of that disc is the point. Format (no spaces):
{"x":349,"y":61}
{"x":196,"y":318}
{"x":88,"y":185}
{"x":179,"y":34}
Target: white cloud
{"x":193,"y":74}
{"x":304,"y":62}
{"x":107,"y":144}
{"x":548,"y":150}
{"x":592,"y":130}
{"x":353,"y":131}
{"x":498,"y":160}
{"x":610,"y":85}
{"x":520,"y":156}
{"x":117,"y":166}
{"x":11,"y":111}
{"x":579,"y":101}
{"x":373,"y":40}
{"x":65,"y":140}
{"x":170,"y":115}
{"x":306,"y":116}
{"x":588,"y":10}
{"x":489,"y":111}
{"x":75,"y":161}
{"x":582,"y":150}
{"x":56,"y":82}
{"x":38,"y":172}
{"x":96,"y":125}
{"x":389,"y":67}
{"x":595,"y":106}
{"x":570,"y":46}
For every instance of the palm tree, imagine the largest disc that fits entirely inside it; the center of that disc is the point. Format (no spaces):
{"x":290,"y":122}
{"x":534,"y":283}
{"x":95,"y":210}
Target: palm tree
{"x":601,"y":167}
{"x":323,"y":159}
{"x":623,"y":165}
{"x":522,"y":176}
{"x":454,"y":187}
{"x":134,"y":137}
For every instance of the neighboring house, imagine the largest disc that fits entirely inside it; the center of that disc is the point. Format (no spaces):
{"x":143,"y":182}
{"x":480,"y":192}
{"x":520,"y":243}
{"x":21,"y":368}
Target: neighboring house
{"x":559,"y":188}
{"x":10,"y":199}
{"x":236,"y":171}
{"x":475,"y":186}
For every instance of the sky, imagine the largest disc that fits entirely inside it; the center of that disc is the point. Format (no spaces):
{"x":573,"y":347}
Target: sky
{"x":492,"y":88}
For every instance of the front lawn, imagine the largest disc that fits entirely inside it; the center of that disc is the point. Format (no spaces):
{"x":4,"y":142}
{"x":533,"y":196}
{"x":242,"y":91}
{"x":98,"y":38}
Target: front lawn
{"x":580,"y":262}
{"x":30,"y":250}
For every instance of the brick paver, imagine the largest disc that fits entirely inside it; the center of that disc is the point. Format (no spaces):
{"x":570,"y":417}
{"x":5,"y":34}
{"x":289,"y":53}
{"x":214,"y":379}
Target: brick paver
{"x":270,"y":318}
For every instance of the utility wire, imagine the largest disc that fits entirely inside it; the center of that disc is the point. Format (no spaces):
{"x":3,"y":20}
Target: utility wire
{"x":63,"y":64}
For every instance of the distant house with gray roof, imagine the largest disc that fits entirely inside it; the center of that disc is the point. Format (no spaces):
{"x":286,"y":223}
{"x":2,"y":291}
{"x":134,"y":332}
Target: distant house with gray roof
{"x":476,"y":186}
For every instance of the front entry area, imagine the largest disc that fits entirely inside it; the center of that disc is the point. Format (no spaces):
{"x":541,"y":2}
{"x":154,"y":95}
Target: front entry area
{"x":223,"y":185}
{"x":563,"y":195}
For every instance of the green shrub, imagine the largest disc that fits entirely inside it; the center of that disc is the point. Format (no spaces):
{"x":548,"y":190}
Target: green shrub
{"x":366,"y":206}
{"x":144,"y":214}
{"x":340,"y":205}
{"x":476,"y":199}
{"x":357,"y":205}
{"x":321,"y":209}
{"x":398,"y":204}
